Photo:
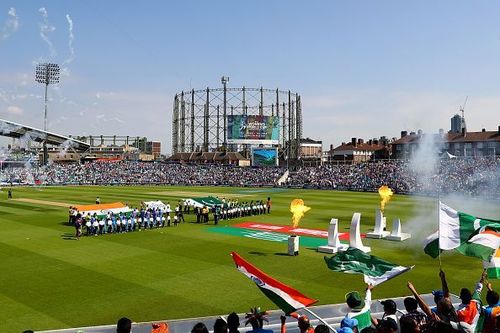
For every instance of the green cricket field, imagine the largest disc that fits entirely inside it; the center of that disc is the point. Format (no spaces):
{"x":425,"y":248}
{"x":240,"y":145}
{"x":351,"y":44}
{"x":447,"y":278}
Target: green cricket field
{"x":49,"y":279}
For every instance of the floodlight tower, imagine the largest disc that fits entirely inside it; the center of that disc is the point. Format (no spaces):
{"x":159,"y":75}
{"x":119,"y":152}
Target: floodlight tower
{"x":224,"y":80}
{"x":46,"y":73}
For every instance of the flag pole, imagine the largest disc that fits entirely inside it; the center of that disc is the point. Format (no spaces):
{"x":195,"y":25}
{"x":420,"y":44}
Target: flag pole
{"x":320,"y":319}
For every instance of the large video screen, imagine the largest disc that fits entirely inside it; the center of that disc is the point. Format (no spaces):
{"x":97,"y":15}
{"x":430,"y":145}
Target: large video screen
{"x":265,"y":157}
{"x":253,"y":129}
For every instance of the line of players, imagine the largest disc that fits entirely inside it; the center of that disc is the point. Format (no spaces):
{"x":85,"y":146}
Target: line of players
{"x":232,"y":210}
{"x":127,"y":222}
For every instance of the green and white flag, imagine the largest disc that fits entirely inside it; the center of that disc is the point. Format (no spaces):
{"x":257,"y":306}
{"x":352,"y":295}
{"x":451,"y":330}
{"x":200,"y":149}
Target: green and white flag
{"x":469,"y":235}
{"x":374,"y":269}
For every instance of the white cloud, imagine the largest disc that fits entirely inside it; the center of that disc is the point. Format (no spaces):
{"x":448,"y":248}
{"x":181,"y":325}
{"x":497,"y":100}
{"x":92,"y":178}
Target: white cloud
{"x":45,"y":29}
{"x":11,"y":25}
{"x":14,"y":110}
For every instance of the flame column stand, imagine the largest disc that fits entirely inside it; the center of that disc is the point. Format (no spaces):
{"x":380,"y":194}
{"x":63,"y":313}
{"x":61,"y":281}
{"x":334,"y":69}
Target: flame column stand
{"x":293,"y":245}
{"x":46,"y":73}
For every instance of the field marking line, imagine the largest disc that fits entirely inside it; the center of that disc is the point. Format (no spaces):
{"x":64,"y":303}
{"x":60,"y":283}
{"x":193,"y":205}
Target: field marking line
{"x":44,"y":202}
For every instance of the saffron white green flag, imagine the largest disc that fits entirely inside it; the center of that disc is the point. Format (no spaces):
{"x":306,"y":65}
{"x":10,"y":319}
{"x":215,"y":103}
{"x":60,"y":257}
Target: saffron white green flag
{"x":287,"y":298}
{"x":469,"y":235}
{"x":374,"y":269}
{"x":493,"y":266}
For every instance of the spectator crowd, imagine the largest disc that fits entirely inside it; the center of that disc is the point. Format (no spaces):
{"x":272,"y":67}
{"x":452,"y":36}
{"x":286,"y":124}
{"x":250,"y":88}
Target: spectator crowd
{"x":478,"y":176}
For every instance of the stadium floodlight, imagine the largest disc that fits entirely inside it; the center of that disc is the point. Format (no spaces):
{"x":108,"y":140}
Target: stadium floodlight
{"x":46,"y":73}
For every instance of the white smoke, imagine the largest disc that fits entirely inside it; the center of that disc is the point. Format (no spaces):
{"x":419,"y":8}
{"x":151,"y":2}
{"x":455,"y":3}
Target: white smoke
{"x":65,"y":146}
{"x":46,"y":29}
{"x":64,"y":68}
{"x":11,"y":25}
{"x":424,"y":163}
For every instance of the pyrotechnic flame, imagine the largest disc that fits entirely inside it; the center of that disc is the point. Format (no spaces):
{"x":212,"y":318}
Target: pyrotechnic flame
{"x":298,"y":209}
{"x":385,"y":194}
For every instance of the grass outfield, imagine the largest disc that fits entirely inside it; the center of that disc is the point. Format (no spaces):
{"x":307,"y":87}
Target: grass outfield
{"x":49,"y":280}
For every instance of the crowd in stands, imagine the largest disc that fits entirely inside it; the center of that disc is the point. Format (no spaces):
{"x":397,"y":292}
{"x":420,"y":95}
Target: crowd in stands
{"x":467,"y":176}
{"x":442,"y":317}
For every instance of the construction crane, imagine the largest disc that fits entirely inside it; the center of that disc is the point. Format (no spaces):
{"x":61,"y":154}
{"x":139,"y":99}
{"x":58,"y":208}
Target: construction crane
{"x":462,"y":110}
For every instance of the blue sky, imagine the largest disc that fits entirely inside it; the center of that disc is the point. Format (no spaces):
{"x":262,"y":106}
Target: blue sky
{"x":363,"y":68}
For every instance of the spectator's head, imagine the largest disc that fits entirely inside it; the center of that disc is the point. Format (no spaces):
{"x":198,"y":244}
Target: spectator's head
{"x":389,"y":306}
{"x":199,"y":328}
{"x":492,"y":297}
{"x":438,"y":294}
{"x":387,"y":325}
{"x":233,"y":321}
{"x":345,"y":330}
{"x":304,"y":323}
{"x":124,"y":325}
{"x":408,"y":325}
{"x":465,"y":295}
{"x":410,"y":304}
{"x":446,"y":311}
{"x":220,"y":326}
{"x":352,"y":323}
{"x":354,"y":300}
{"x":321,"y":329}
{"x":256,"y":318}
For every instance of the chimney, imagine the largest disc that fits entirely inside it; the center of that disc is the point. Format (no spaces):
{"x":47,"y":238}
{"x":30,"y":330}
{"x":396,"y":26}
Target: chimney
{"x":419,"y":132}
{"x":375,"y":142}
{"x":498,"y":130}
{"x":353,"y":142}
{"x":483,"y":130}
{"x":404,"y":133}
{"x":463,"y":132}
{"x":360,"y":141}
{"x":370,"y":142}
{"x":412,"y":133}
{"x":331,"y":147}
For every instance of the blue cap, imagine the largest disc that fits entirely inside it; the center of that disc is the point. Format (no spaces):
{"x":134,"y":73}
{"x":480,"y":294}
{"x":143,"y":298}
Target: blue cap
{"x":345,"y":330}
{"x":438,"y":294}
{"x":349,"y":322}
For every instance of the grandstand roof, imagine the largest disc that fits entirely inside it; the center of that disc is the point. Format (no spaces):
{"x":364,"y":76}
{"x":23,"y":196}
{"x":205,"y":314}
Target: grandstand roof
{"x":15,"y":130}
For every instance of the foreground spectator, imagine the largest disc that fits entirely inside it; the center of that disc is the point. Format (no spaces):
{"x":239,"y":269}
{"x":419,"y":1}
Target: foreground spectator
{"x":124,"y":325}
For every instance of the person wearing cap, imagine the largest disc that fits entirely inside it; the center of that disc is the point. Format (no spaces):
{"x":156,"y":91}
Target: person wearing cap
{"x":438,"y":295}
{"x":390,"y":309}
{"x":359,"y":309}
{"x":352,"y":323}
{"x":302,"y":321}
{"x":345,"y":330}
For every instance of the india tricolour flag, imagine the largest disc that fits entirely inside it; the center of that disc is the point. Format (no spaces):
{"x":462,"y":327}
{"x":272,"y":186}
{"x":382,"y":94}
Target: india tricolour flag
{"x":469,"y":235}
{"x":374,"y":269}
{"x":493,"y":266}
{"x":285,"y":297}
